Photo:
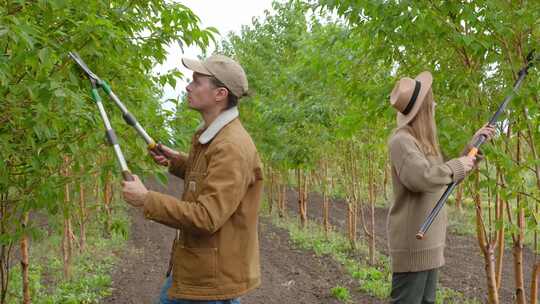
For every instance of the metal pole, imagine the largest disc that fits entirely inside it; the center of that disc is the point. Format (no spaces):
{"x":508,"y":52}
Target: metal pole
{"x":128,"y":117}
{"x":474,"y":150}
{"x":111,"y":135}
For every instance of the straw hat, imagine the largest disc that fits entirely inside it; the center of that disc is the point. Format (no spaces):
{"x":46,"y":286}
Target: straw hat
{"x":408,"y":96}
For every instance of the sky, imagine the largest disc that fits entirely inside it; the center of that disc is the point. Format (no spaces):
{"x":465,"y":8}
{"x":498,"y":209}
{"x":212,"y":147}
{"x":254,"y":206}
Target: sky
{"x":226,"y":16}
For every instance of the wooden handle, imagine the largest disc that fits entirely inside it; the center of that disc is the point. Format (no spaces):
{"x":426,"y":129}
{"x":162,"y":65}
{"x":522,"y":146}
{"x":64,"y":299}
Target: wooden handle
{"x":127,"y":176}
{"x":156,"y":148}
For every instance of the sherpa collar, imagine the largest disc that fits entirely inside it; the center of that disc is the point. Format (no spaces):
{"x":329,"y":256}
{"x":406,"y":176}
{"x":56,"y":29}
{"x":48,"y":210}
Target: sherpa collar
{"x":221,"y":121}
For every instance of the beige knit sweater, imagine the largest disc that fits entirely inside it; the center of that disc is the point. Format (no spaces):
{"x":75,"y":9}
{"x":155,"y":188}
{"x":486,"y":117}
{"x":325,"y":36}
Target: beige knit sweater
{"x":418,"y":183}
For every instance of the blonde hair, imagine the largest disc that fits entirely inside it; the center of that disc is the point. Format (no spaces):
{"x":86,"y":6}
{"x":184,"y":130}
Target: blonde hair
{"x":423,"y":127}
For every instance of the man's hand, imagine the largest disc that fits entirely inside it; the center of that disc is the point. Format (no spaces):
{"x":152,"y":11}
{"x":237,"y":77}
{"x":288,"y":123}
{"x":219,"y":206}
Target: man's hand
{"x":134,"y":192}
{"x":167,"y":154}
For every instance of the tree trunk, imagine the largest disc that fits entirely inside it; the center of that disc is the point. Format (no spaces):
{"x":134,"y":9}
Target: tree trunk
{"x":279,"y":196}
{"x":459,"y":197}
{"x":369,"y":233}
{"x":500,"y":233}
{"x":67,"y":244}
{"x":305,"y":193}
{"x":352,"y":197}
{"x":324,"y":187}
{"x":284,"y":200}
{"x":107,"y":198}
{"x":536,"y":269}
{"x":372,"y":234}
{"x":534,"y":283}
{"x":385,"y":183}
{"x":517,"y":249}
{"x":282,"y":204}
{"x":82,"y":222}
{"x":271,"y":191}
{"x":351,"y":223}
{"x":486,"y":247}
{"x":326,"y":221}
{"x":489,"y":260}
{"x":372,"y":197}
{"x":300,"y":196}
{"x":25,"y":261}
{"x":5,"y":250}
{"x":500,"y":246}
{"x":302,"y":184}
{"x":96,"y":189}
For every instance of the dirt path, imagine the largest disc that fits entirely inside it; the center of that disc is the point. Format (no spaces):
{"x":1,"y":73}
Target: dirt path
{"x":298,"y":276}
{"x":140,"y":274}
{"x":464,"y":269}
{"x":288,"y":275}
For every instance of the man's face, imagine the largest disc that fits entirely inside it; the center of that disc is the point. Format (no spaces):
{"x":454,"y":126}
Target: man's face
{"x":202,"y":94}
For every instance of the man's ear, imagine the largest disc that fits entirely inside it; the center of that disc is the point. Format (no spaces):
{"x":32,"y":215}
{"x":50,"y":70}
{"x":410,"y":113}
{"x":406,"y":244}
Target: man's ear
{"x":222,"y":95}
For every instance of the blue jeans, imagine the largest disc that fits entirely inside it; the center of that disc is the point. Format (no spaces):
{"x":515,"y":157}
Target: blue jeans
{"x":164,"y":299}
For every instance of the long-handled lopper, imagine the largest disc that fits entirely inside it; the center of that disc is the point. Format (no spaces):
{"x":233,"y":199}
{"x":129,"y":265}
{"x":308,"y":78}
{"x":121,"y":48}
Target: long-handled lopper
{"x":476,"y":145}
{"x":128,"y":117}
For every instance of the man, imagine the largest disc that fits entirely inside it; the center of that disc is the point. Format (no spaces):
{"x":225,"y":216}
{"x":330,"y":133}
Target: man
{"x":215,"y":256}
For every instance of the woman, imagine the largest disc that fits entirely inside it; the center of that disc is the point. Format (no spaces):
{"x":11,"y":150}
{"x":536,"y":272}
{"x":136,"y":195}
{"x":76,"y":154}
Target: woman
{"x":419,"y":177}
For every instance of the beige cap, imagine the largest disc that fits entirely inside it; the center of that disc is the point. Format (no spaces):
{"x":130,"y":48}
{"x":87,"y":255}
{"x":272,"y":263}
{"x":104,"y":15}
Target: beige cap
{"x":226,"y":70}
{"x":408,"y":96}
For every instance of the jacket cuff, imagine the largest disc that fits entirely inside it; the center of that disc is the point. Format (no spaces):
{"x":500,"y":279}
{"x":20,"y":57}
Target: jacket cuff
{"x":150,"y":205}
{"x":177,"y":167}
{"x":458,"y":169}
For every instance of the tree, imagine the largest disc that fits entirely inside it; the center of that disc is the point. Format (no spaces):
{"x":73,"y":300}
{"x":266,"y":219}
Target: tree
{"x":48,"y":124}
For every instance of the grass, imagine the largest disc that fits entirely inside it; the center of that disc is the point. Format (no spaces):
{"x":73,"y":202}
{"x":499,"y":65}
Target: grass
{"x":341,"y":293}
{"x":374,"y":280}
{"x":461,"y":222}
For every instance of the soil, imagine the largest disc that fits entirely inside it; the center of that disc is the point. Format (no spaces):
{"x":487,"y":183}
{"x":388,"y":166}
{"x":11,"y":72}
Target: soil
{"x":297,"y":276}
{"x":289,"y":275}
{"x":464,"y":269}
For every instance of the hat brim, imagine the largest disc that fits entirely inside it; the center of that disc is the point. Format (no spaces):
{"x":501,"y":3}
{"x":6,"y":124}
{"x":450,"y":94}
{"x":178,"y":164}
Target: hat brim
{"x":425,"y":79}
{"x":196,"y":66}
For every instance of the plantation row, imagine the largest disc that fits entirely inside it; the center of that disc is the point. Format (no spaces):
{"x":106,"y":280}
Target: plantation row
{"x":320,"y":73}
{"x":57,"y":173}
{"x":321,"y":114}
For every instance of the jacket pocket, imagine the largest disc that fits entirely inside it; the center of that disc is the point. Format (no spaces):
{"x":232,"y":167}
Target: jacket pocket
{"x":195,"y":266}
{"x":193,"y":185}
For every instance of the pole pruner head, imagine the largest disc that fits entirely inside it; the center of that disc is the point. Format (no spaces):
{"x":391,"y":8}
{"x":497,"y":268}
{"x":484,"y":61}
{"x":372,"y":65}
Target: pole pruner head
{"x":93,"y":77}
{"x":532,"y":58}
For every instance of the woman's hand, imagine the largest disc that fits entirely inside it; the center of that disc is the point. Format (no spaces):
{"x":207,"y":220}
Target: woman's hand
{"x":488,"y":132}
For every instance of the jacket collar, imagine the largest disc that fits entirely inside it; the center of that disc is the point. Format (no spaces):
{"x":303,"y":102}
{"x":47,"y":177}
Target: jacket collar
{"x":221,"y":121}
